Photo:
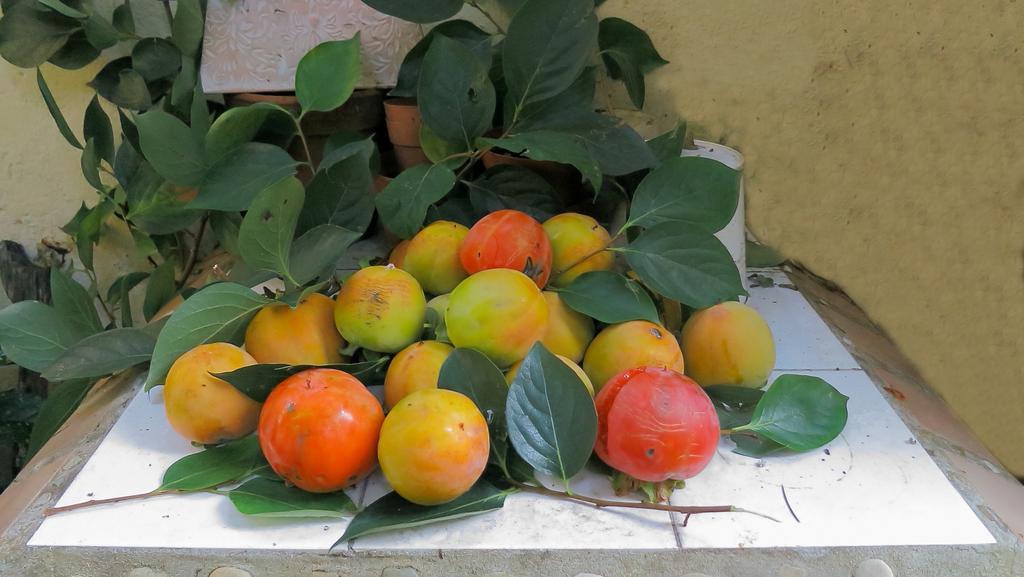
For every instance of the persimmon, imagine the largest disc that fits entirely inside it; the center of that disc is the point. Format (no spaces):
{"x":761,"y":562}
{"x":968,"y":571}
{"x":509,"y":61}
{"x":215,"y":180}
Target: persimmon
{"x":433,"y":446}
{"x":508,"y":239}
{"x":432,"y":256}
{"x":319,"y":430}
{"x":203,"y":408}
{"x":655,"y":424}
{"x":499,"y":312}
{"x":576,"y":243}
{"x":380,"y":308}
{"x":304,"y":335}
{"x":728,"y":344}
{"x":629,"y":345}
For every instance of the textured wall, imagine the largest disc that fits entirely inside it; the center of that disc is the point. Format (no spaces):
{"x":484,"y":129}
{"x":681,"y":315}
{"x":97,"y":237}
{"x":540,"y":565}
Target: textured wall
{"x":882,"y":151}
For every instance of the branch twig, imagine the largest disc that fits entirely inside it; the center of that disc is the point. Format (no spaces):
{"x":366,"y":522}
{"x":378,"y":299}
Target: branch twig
{"x":602,"y":503}
{"x":194,"y":254}
{"x":94,"y":502}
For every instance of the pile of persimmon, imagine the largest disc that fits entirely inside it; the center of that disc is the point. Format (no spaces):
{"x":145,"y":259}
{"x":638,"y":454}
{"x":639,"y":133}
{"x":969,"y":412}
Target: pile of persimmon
{"x":495,"y":286}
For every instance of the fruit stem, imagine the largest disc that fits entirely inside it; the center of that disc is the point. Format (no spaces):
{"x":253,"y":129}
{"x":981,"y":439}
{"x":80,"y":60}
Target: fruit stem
{"x":95,"y":502}
{"x":194,"y":253}
{"x":602,"y":503}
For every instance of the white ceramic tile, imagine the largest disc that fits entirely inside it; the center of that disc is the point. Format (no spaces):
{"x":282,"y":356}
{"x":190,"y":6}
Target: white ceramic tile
{"x":802,"y":339}
{"x":874,"y":485}
{"x":132,"y":459}
{"x":535,"y":522}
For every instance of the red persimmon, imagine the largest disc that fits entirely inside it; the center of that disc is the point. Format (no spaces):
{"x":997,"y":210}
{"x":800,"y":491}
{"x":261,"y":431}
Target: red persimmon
{"x":319,"y":430}
{"x":655,"y":424}
{"x":508,"y":239}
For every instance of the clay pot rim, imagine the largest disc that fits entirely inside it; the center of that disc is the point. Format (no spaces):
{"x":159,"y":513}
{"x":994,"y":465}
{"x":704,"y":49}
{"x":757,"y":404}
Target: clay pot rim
{"x":400,"y":102}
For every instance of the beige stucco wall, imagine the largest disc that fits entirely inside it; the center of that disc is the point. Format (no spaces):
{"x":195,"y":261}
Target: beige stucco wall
{"x":882,"y":152}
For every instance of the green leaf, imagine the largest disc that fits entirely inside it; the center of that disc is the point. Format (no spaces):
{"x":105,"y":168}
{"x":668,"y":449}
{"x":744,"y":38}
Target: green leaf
{"x":471,"y":373}
{"x":159,"y":290}
{"x":102,"y":354}
{"x":269,"y":498}
{"x":547,"y":46}
{"x":403,"y":204}
{"x":515,"y":187}
{"x":687,"y":191}
{"x":420,"y":11}
{"x":34,"y":335}
{"x":755,"y":446}
{"x":618,"y":34}
{"x":685,"y":264}
{"x":97,"y":127}
{"x":168,"y":145}
{"x":295,"y":295}
{"x":346,"y":144}
{"x":265,"y":237}
{"x":58,"y":116}
{"x":566,"y":108}
{"x":217,"y":313}
{"x":734,"y":405}
{"x":156,"y":58}
{"x":628,"y":55}
{"x":62,"y":8}
{"x":187,"y":27}
{"x":256,"y":381}
{"x":342,"y":195}
{"x":77,"y":53}
{"x":761,"y":256}
{"x":626,"y":70}
{"x":199,"y":114}
{"x":73,"y":303}
{"x":455,"y":95}
{"x":238,"y":178}
{"x":238,"y":126}
{"x":668,"y":145}
{"x":213,"y":466}
{"x":327,"y":75}
{"x":800,"y":412}
{"x":157,"y":206}
{"x":391,"y":512}
{"x":438,"y":150}
{"x":182,"y":90}
{"x":463,"y":31}
{"x":609,"y":297}
{"x":29,"y":37}
{"x":62,"y":401}
{"x":617,"y":148}
{"x":91,"y":165}
{"x":552,"y":422}
{"x":120,"y":84}
{"x":100,"y":33}
{"x":89,"y":229}
{"x":129,"y":130}
{"x":554,"y":146}
{"x":123,"y":284}
{"x":316,"y":253}
{"x":123,"y":19}
{"x":225,"y":227}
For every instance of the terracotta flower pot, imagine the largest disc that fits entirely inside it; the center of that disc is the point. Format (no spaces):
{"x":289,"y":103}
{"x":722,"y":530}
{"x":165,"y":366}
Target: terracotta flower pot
{"x":404,"y":121}
{"x":364,"y":113}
